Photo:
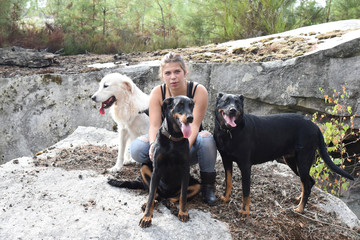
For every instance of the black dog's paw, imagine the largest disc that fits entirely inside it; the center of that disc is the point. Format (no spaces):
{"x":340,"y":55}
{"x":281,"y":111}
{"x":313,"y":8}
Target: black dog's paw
{"x":174,"y":211}
{"x":171,"y":206}
{"x":168,"y":204}
{"x":244,"y":213}
{"x":183,"y":216}
{"x":145,"y":222}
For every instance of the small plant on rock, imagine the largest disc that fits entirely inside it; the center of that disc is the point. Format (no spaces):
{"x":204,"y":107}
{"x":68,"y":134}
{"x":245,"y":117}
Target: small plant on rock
{"x":338,"y":129}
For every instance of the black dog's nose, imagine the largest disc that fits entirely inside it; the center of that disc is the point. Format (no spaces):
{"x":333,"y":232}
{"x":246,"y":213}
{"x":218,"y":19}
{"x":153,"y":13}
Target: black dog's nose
{"x":190,"y":119}
{"x":232,"y":111}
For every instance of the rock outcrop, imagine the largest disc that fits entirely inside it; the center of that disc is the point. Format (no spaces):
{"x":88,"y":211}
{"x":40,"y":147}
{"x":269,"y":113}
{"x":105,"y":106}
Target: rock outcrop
{"x":25,"y":57}
{"x":38,"y":110}
{"x":49,"y":202}
{"x":53,"y":203}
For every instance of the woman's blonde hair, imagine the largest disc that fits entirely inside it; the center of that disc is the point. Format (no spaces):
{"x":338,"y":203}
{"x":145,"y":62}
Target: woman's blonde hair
{"x":172,"y":57}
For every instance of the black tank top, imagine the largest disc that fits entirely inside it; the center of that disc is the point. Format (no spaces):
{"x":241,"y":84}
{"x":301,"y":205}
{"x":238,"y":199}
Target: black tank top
{"x":190,"y":93}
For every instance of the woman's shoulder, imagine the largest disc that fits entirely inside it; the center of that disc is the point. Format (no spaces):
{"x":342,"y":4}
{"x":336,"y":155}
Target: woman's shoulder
{"x":156,"y":89}
{"x":156,"y":92}
{"x":199,"y":87}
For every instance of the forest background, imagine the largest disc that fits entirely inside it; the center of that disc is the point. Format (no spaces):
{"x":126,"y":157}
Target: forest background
{"x":122,"y":26}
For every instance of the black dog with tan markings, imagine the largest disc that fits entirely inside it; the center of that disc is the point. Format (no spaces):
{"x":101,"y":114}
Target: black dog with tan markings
{"x":247,"y":140}
{"x":171,"y":166}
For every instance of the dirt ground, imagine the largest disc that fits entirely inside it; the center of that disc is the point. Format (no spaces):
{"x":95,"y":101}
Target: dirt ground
{"x":271,"y":215}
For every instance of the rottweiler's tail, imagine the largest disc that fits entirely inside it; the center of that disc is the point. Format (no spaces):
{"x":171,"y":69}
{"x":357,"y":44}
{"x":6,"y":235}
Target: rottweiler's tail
{"x":325,"y":156}
{"x":126,"y":184}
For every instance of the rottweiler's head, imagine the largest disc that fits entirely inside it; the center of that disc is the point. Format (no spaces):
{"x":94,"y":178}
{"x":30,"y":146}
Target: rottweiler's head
{"x":178,"y":112}
{"x":229,"y":109}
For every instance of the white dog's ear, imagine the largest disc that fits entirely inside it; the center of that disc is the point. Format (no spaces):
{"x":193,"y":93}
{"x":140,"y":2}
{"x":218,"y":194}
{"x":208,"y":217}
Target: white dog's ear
{"x":128,"y":86}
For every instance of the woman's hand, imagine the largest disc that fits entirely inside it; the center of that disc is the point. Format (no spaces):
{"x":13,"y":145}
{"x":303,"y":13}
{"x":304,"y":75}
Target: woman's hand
{"x":151,"y":148}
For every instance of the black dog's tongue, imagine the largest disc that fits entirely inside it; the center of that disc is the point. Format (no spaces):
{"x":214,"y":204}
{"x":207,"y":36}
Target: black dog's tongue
{"x":186,"y":129}
{"x":230,"y":120}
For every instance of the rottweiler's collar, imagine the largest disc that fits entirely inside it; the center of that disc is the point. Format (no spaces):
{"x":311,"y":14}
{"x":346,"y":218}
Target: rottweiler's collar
{"x":169,"y":136}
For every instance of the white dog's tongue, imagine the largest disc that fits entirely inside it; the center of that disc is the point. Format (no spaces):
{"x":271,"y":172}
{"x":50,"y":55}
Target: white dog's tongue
{"x":102,"y":110}
{"x":186,"y":130}
{"x":229,"y":120}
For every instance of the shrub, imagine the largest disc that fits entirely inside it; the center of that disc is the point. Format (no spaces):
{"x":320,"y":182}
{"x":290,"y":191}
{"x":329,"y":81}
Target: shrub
{"x":337,"y":129}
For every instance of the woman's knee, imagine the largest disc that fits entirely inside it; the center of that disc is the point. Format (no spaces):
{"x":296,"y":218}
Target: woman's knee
{"x":205,"y":133}
{"x":207,"y":152}
{"x":139,"y":149}
{"x":207,"y":141}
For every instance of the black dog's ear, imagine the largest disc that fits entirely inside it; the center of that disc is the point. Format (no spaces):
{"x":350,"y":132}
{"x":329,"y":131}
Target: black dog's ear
{"x":241,"y":97}
{"x":168,"y":102}
{"x":219,"y":95}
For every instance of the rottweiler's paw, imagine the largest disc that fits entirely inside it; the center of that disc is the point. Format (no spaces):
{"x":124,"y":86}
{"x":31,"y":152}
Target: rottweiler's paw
{"x":244,"y":213}
{"x":299,"y":209}
{"x":183,"y":216}
{"x":145,"y":222}
{"x":224,"y":199}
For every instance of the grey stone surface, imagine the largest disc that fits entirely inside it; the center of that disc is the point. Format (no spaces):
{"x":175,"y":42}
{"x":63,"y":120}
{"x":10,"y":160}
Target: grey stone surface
{"x":53,"y":203}
{"x":25,"y":57}
{"x":39,"y":110}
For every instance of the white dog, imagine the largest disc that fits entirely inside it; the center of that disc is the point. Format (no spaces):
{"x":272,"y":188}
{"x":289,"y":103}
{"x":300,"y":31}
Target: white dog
{"x":125,"y":100}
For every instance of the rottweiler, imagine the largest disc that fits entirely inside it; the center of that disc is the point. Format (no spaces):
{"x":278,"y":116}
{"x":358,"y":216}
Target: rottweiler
{"x":247,"y":140}
{"x":169,"y":176}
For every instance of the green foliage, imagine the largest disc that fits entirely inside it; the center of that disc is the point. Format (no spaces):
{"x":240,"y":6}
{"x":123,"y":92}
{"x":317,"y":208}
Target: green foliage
{"x":309,"y":12}
{"x":11,"y":13}
{"x":110,"y":26}
{"x":335,"y":132}
{"x":345,"y":9}
{"x":274,"y":15}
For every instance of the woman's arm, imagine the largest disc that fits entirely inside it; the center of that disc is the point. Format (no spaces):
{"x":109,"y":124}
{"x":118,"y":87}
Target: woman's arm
{"x":201,"y":104}
{"x":155,"y":103}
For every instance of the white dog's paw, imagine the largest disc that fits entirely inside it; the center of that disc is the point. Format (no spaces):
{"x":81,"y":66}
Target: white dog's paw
{"x":115,"y":169}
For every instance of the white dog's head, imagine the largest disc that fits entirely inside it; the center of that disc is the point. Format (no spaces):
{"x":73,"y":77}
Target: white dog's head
{"x":113,"y":87}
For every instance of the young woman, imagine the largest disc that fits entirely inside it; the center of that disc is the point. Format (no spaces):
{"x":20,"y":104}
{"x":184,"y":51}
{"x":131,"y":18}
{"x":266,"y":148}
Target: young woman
{"x":173,"y":72}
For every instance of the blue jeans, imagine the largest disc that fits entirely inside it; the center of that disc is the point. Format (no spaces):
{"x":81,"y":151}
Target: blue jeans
{"x":203,"y":151}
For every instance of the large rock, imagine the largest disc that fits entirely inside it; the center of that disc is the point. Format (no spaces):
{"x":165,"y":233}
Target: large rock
{"x":53,"y":203}
{"x":36,"y":111}
{"x":25,"y":57}
{"x":40,"y":202}
{"x":39,"y":110}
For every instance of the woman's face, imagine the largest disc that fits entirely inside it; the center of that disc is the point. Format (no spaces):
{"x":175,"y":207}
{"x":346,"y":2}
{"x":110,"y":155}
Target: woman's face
{"x":173,"y":75}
